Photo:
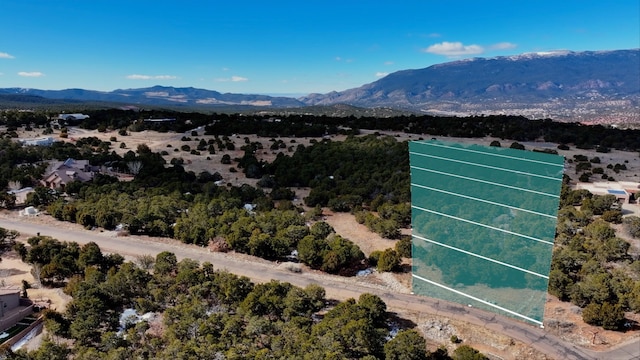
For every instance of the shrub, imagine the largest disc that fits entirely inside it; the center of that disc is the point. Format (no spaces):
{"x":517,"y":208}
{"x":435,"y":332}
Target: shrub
{"x":389,"y":260}
{"x":610,"y":317}
{"x":516,"y":145}
{"x":403,"y":247}
{"x":374,"y":257}
{"x":612,"y":216}
{"x":632,"y":226}
{"x":585,"y":177}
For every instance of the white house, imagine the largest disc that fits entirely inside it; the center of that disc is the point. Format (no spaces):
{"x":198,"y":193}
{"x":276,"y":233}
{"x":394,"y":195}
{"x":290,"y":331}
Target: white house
{"x":43,"y":141}
{"x":21,"y":194}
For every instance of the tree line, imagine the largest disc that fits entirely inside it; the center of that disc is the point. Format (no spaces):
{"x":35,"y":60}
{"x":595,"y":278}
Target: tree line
{"x":517,"y":128}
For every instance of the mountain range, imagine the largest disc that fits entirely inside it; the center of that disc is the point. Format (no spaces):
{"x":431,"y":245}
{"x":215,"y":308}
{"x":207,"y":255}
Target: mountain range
{"x":600,"y":86}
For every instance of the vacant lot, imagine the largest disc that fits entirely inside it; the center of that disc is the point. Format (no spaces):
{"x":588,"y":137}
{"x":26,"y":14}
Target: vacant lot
{"x":565,"y":317}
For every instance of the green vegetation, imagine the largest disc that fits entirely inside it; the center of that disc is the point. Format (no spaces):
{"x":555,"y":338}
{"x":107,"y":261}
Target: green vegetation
{"x":7,"y":240}
{"x":632,"y":226}
{"x":590,"y":266}
{"x":204,"y":312}
{"x":367,"y":176}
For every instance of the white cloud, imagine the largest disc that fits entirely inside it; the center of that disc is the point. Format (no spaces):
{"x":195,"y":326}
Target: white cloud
{"x":503,"y":46}
{"x":381,"y":74}
{"x":31,"y":73}
{"x":434,"y":35}
{"x":232,"y":79}
{"x":388,"y":62}
{"x":238,"y":78}
{"x":454,"y":49}
{"x":151,"y":77}
{"x":138,"y":77}
{"x":4,"y":55}
{"x":338,"y":58}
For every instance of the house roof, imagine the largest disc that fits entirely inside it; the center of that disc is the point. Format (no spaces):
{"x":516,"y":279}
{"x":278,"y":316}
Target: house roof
{"x":9,"y":291}
{"x":18,"y":191}
{"x":64,"y":172}
{"x":74,"y":116}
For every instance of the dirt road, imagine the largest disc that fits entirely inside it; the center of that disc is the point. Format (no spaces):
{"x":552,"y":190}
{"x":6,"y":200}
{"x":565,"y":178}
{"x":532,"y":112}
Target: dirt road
{"x":339,"y":288}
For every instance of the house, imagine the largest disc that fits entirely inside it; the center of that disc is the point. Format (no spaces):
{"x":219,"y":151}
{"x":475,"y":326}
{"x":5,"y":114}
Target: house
{"x":164,"y":120}
{"x":21,"y":194}
{"x":9,"y":300}
{"x":622,"y":190}
{"x":72,"y":117}
{"x":69,"y":119}
{"x":60,"y":173}
{"x":43,"y":141}
{"x":13,"y":308}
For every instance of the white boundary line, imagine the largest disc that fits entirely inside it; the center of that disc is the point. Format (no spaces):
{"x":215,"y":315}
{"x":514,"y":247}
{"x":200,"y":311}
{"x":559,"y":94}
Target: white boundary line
{"x":489,"y":153}
{"x":477,"y":299}
{"x":482,"y":257}
{"x":488,"y":166}
{"x":485,"y":182}
{"x":483,"y":225}
{"x":484,"y":201}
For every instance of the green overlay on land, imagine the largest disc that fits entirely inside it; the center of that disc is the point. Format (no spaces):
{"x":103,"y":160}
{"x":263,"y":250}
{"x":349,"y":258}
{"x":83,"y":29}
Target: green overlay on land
{"x":484,"y":221}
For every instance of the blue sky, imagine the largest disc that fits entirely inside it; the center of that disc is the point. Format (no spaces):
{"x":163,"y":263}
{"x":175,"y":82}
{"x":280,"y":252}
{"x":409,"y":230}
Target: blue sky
{"x":284,"y":47}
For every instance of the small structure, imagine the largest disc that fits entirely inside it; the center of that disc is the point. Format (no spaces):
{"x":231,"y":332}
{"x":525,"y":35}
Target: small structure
{"x":43,"y":141}
{"x":21,"y":194}
{"x":72,"y":117}
{"x":13,"y":308}
{"x":69,"y":119}
{"x":622,"y":190}
{"x":163,"y":120}
{"x":29,"y":211}
{"x":61,"y":173}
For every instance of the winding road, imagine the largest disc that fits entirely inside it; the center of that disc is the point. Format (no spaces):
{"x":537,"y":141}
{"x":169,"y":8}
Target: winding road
{"x":336,"y":287}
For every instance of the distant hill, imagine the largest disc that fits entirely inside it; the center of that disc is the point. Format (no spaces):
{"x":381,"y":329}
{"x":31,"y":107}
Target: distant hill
{"x":590,"y":86}
{"x":576,"y":85}
{"x":161,"y":95}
